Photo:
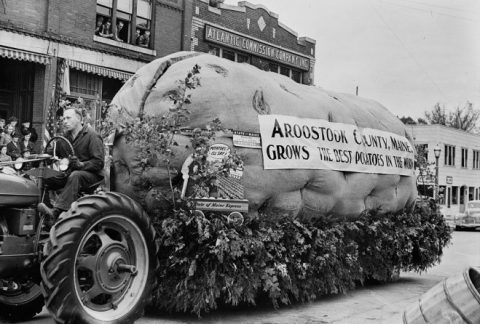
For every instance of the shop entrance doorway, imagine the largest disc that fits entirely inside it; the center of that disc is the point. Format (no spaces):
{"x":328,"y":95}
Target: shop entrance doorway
{"x":16,"y":89}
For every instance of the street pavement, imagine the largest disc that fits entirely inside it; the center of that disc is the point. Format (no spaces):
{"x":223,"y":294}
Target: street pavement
{"x":371,"y":304}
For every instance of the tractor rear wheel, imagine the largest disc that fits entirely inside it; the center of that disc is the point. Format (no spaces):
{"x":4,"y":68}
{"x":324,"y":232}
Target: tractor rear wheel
{"x":102,"y":261}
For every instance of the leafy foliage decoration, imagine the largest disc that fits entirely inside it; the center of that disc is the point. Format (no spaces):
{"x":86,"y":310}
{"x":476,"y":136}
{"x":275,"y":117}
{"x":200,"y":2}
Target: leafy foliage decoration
{"x":207,"y":261}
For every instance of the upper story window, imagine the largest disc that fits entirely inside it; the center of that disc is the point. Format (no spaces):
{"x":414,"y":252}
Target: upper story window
{"x":449,"y":154}
{"x":464,"y":157}
{"x":476,"y":159}
{"x":127,"y":21}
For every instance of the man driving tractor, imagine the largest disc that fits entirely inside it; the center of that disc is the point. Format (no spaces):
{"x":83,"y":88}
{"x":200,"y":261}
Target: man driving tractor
{"x":85,"y":168}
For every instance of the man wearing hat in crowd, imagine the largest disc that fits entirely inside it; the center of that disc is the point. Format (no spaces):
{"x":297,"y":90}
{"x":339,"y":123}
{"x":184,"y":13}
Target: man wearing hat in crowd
{"x":13,"y":148}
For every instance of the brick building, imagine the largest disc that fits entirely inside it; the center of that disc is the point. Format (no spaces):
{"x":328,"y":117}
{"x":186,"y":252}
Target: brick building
{"x":51,"y":46}
{"x":89,"y":48}
{"x":252,"y":34}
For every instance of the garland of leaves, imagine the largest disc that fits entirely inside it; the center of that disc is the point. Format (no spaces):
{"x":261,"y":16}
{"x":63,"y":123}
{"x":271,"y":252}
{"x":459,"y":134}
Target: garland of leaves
{"x":207,"y":261}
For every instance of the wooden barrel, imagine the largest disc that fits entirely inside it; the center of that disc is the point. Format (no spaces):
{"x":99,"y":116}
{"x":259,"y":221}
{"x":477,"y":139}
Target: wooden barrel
{"x":454,"y":300}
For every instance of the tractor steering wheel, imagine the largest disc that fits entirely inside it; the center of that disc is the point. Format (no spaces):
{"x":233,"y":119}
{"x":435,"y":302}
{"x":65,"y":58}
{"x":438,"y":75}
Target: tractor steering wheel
{"x":59,"y":146}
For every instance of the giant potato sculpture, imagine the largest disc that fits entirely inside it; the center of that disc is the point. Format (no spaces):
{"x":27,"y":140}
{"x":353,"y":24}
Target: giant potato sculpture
{"x":237,"y":94}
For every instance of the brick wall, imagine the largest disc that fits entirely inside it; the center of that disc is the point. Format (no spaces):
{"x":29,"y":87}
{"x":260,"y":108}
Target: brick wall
{"x":247,"y":23}
{"x":24,"y":14}
{"x":168,"y":31}
{"x":73,"y":22}
{"x":255,"y":22}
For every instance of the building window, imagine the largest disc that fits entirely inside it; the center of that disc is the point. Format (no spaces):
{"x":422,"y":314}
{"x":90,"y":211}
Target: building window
{"x":297,"y":76}
{"x":229,"y":55}
{"x":441,"y":195}
{"x":130,"y":27}
{"x":476,"y":159}
{"x":449,"y":155}
{"x":85,"y":85}
{"x":143,"y":23}
{"x":449,"y":195}
{"x":464,"y":157}
{"x":214,"y":51}
{"x":463,"y":192}
{"x":273,"y":67}
{"x":285,"y":71}
{"x":454,"y":195}
{"x":241,"y":58}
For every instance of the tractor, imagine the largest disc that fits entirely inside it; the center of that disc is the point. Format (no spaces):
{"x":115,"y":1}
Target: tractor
{"x":95,"y":264}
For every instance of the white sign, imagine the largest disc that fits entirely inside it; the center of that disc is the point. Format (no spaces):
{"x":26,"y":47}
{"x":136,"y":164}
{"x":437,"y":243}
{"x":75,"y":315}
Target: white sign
{"x":246,"y":139}
{"x":217,"y":153}
{"x":290,"y":142}
{"x":221,"y":205}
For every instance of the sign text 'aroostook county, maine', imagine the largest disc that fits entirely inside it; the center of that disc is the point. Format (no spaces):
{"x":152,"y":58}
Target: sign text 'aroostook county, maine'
{"x":290,"y":142}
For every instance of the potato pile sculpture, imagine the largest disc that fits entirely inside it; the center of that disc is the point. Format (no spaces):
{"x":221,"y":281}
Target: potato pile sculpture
{"x":237,"y":94}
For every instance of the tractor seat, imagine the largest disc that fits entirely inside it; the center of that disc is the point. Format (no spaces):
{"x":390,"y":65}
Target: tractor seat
{"x":91,"y":189}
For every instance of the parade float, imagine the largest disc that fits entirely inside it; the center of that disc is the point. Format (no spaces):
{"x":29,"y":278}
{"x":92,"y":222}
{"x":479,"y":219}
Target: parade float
{"x":263,"y":187}
{"x":224,"y":185}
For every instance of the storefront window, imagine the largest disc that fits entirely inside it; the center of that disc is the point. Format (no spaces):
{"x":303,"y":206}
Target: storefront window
{"x":462,"y":195}
{"x":214,"y":51}
{"x":441,"y":195}
{"x":297,"y":76}
{"x":285,"y":71}
{"x":243,"y":58}
{"x":454,"y":195}
{"x":229,"y":55}
{"x":449,"y":197}
{"x":84,"y":84}
{"x":273,"y":67}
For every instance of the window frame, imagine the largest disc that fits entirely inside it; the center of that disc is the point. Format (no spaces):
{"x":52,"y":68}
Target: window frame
{"x":476,"y":160}
{"x":131,"y":23}
{"x":455,"y":197}
{"x":449,"y":156}
{"x":464,"y":162}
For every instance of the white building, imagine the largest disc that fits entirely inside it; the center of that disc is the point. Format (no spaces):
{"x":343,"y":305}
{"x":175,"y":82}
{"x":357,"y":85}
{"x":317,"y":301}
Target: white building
{"x":459,"y":165}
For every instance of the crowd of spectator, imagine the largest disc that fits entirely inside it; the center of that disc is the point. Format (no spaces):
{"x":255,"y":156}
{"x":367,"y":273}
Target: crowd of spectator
{"x":16,"y":141}
{"x":104,"y":28}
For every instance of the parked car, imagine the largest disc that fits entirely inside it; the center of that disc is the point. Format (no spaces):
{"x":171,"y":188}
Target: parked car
{"x":471,"y":218}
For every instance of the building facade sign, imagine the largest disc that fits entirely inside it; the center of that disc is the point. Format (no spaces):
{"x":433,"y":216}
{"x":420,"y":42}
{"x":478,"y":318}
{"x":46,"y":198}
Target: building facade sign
{"x":240,"y":42}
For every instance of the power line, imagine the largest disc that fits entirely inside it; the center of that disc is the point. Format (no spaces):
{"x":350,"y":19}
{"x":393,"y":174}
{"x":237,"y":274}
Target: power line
{"x":430,"y":11}
{"x":438,"y":6}
{"x":408,"y":52}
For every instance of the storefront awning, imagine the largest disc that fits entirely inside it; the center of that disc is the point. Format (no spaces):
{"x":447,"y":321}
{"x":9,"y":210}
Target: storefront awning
{"x":99,"y":70}
{"x":20,"y":55}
